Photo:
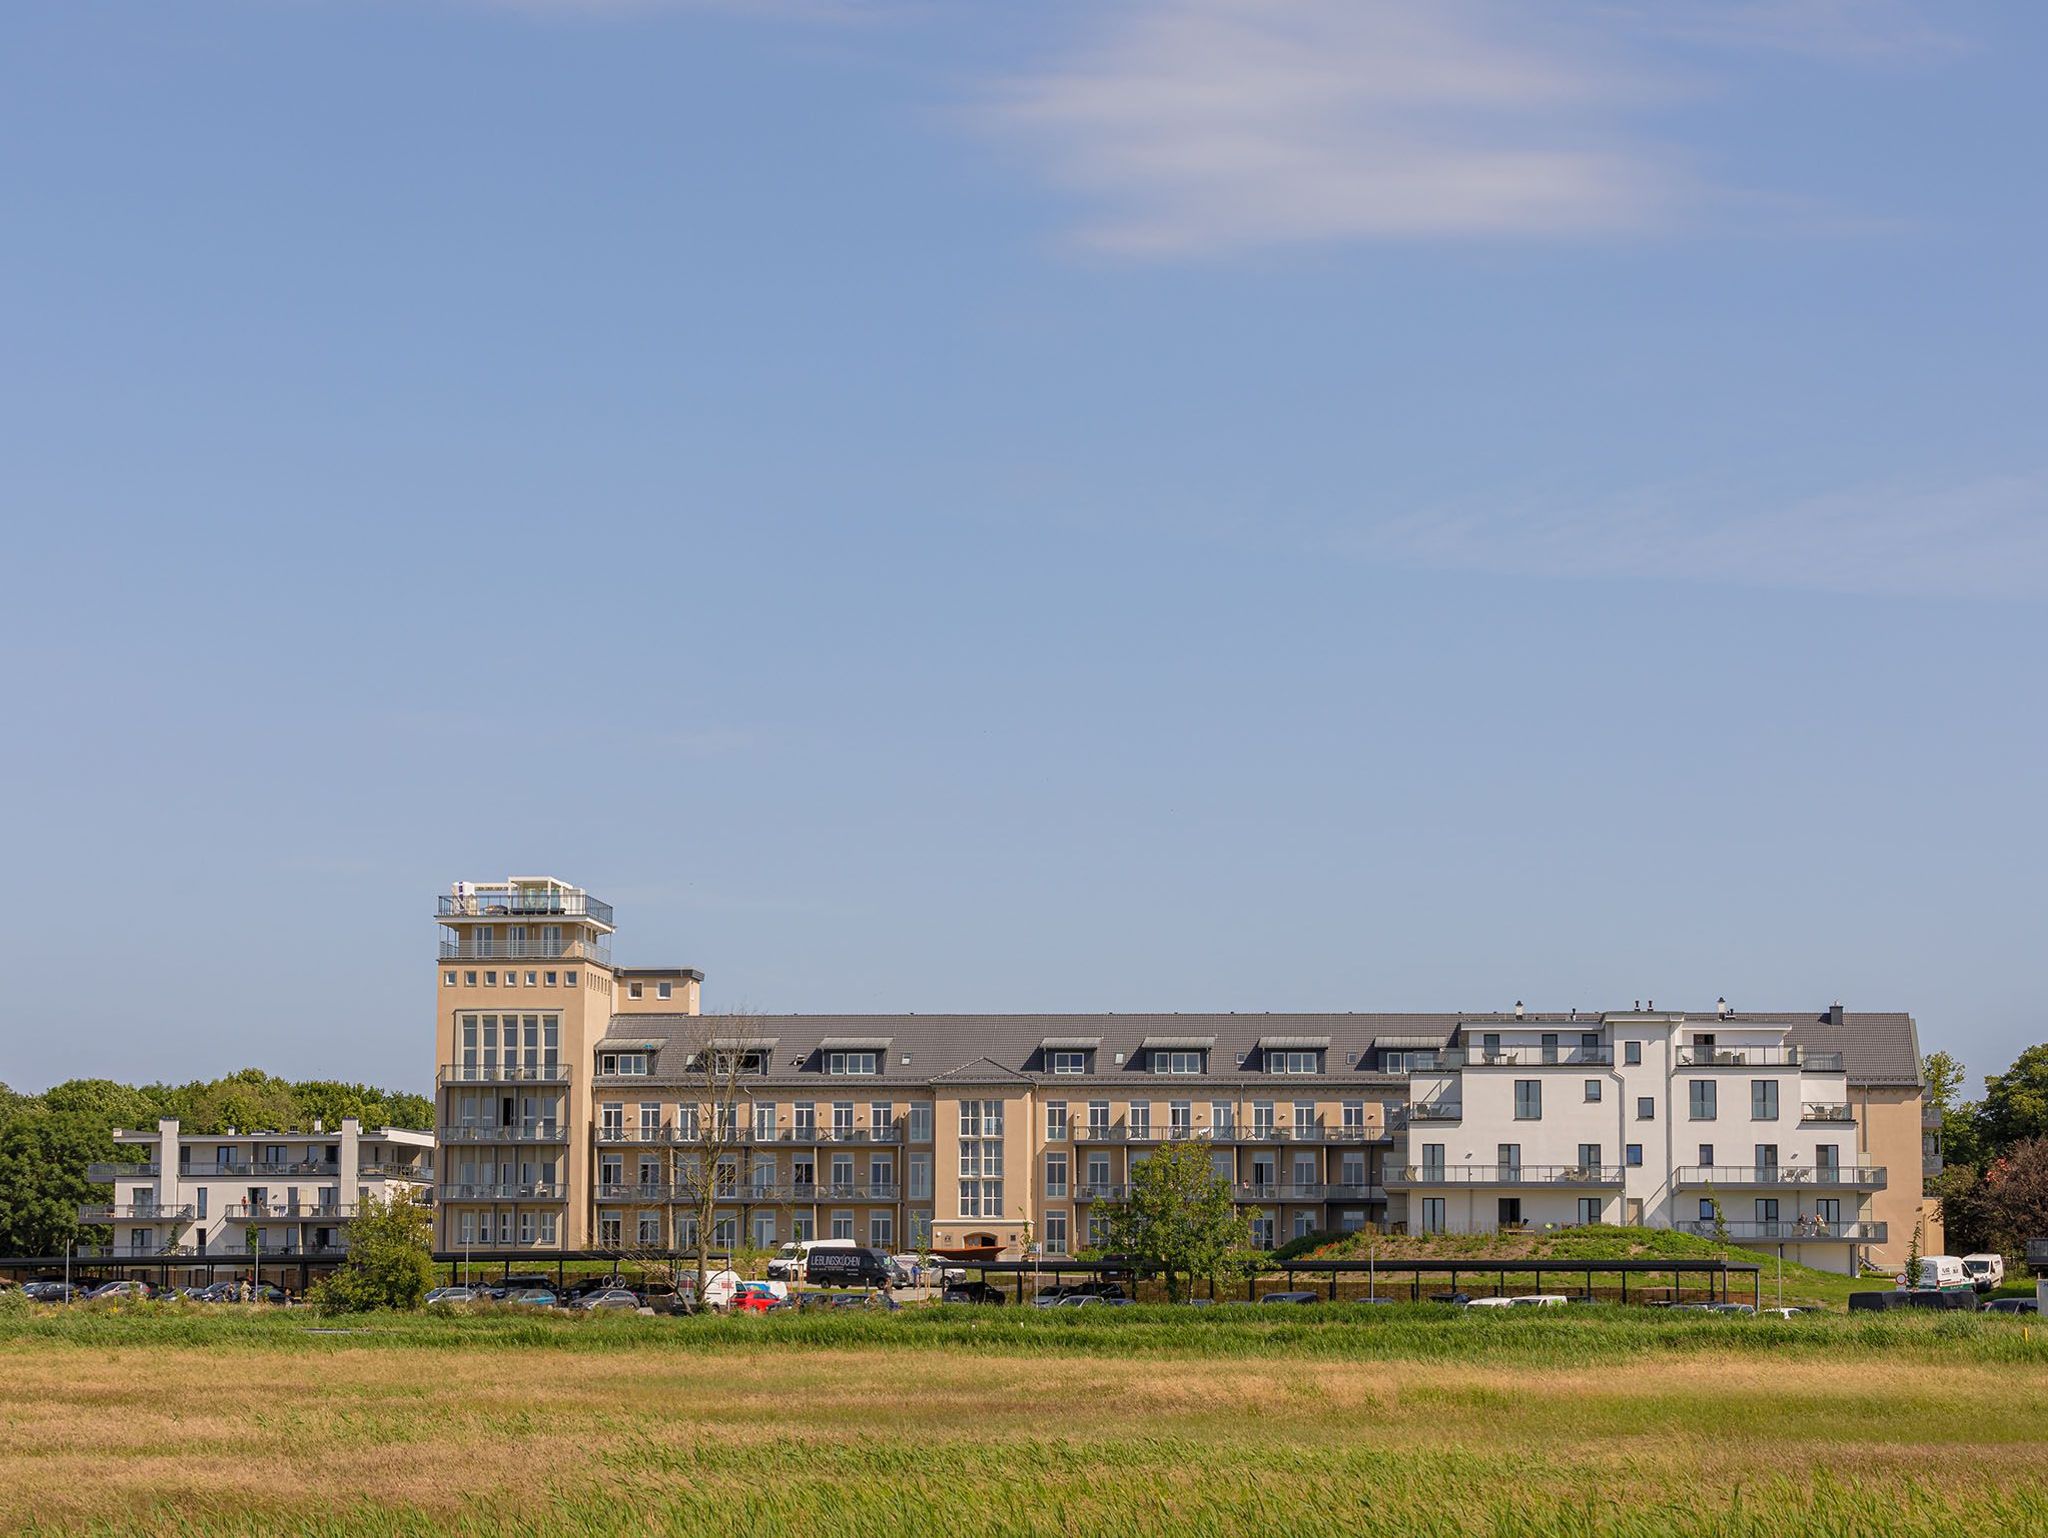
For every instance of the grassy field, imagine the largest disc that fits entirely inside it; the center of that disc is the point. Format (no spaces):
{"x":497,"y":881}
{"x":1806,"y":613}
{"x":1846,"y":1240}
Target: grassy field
{"x":1156,"y":1421}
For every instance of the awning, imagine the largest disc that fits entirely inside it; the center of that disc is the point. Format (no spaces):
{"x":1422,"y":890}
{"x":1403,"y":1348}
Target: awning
{"x":1294,"y":1043}
{"x":1413,"y":1043}
{"x":1069,"y":1043}
{"x":855,"y":1043}
{"x":1178,"y":1043}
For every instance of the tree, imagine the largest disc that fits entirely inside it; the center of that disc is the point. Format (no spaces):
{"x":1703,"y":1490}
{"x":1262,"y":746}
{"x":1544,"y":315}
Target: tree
{"x":390,"y":1258}
{"x":2015,"y":1104}
{"x":722,"y":1049}
{"x":1944,"y":1075}
{"x":2013,"y":1196}
{"x":1720,"y":1217}
{"x":1178,"y":1219}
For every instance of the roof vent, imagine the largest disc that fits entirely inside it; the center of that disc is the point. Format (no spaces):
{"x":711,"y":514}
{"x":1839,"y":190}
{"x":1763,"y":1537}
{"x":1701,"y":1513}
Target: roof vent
{"x":1518,"y":1009}
{"x":1721,"y":1008}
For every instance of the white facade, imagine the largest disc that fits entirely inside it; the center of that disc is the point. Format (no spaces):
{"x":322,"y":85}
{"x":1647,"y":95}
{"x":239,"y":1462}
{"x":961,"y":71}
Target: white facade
{"x":1709,"y":1125}
{"x":271,"y":1194}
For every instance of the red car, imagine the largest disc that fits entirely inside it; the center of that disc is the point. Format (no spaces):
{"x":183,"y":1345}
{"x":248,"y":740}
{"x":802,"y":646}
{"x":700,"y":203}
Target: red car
{"x":755,"y":1298}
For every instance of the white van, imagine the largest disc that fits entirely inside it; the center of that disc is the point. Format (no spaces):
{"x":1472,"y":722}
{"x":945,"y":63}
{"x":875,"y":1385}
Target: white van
{"x":1943,"y":1273}
{"x":788,"y":1264}
{"x":1987,"y":1272}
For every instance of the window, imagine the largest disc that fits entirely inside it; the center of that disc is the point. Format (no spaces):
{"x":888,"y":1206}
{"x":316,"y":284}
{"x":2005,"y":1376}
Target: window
{"x":568,"y":979}
{"x":1528,"y":1100}
{"x":1432,"y":1214}
{"x":725,"y":1231}
{"x":1766,"y":1209}
{"x":1632,"y":1053}
{"x":764,"y":1121}
{"x":1222,"y":1118}
{"x":650,"y":1121}
{"x":490,"y":979}
{"x":1635,"y":1154}
{"x":842,"y":1120}
{"x":882,"y":1120}
{"x":469,"y":979}
{"x":921,"y":1177}
{"x":1055,"y":1175}
{"x":632,"y":990}
{"x":1262,"y":1118}
{"x":1098,"y":1118}
{"x":1141,"y":1118}
{"x":1070,"y":1062}
{"x":608,"y":1232}
{"x":1507,"y":1159}
{"x":764,"y":1230}
{"x":1646,"y":1108}
{"x":882,"y":1230}
{"x":650,"y":1229}
{"x":552,"y":977}
{"x":842,"y":1225}
{"x":1701,"y":1099}
{"x":1294,"y":1062}
{"x":1707,"y":1155}
{"x":1707,"y":1209}
{"x":1589,"y":1210}
{"x":1763,"y":1099}
{"x":1766,"y":1159}
{"x":981,"y":1158}
{"x":663,"y":990}
{"x":1177,"y":1062}
{"x":447,"y":979}
{"x":1354,"y":1116}
{"x":1055,"y":1233}
{"x":1098,"y":1176}
{"x":533,"y":979}
{"x":1180,"y":1118}
{"x":612,"y":1122}
{"x":547,"y":1228}
{"x":1592,"y":1091}
{"x":1589,"y":1156}
{"x":1055,"y":1121}
{"x":623,"y":1064}
{"x":920,"y":1122}
{"x":841,"y":1063}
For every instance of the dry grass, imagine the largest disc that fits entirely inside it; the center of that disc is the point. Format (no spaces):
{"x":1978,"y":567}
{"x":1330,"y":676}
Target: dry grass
{"x":177,"y":1439}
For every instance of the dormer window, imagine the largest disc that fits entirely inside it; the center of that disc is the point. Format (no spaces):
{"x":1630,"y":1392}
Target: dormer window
{"x":1178,"y":1060}
{"x":1295,"y":1061}
{"x":623,"y":1064}
{"x":838,"y":1063}
{"x":1067,"y":1062}
{"x":724,"y":1064}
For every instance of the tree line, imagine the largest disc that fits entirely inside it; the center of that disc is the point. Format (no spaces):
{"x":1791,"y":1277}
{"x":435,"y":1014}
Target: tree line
{"x":1993,"y":1185}
{"x":47,"y":1140}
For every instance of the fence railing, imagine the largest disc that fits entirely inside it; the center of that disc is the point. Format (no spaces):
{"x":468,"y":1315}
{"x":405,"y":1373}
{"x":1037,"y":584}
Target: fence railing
{"x":1862,"y":1177}
{"x":1506,"y":1175}
{"x":1787,"y":1229}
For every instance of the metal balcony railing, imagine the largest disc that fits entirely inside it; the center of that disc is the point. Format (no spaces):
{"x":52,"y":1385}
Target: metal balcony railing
{"x":102,"y":1173}
{"x":537,"y":1192}
{"x":287,"y":1212}
{"x":395,"y":1171}
{"x":503,"y":1073}
{"x":1525,"y":1057}
{"x":1505,"y":1175}
{"x":485,"y":948}
{"x":1815,"y":1111}
{"x":1435,"y":1110}
{"x":1864,"y":1177}
{"x":1789,"y":1230}
{"x":1099,"y":1191}
{"x":524,"y":902}
{"x":521,"y":1132}
{"x":1759,"y":1057}
{"x":132,"y":1212}
{"x":755,"y":1137}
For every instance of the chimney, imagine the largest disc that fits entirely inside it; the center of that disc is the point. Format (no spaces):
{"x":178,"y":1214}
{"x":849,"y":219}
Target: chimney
{"x":1835,"y":1013}
{"x":1721,"y":1008}
{"x":1518,"y":1009}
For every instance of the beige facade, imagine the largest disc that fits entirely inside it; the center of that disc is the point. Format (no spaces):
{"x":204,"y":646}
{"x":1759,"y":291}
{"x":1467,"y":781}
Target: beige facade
{"x":575,"y":1113}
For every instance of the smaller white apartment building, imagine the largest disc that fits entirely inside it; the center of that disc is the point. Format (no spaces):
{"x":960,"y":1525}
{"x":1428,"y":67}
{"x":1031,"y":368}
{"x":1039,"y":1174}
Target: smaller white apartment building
{"x":238,"y":1194}
{"x":1709,"y":1125}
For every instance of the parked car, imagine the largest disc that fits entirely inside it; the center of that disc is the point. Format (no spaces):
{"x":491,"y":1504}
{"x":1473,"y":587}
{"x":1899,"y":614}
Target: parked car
{"x":880,"y":1301}
{"x":791,"y":1261}
{"x":852,"y":1267}
{"x":1943,"y":1273}
{"x":1787,"y":1312}
{"x":108,"y":1291}
{"x":535,"y":1281}
{"x":1050,"y":1297}
{"x":1987,"y":1272}
{"x":760,"y":1297}
{"x":455,"y":1295}
{"x":1540,"y":1300}
{"x":973,"y":1292}
{"x":1489,"y":1303}
{"x":53,"y":1292}
{"x":623,"y":1299}
{"x":530,"y":1297}
{"x":2013,"y":1306}
{"x":1290,"y":1297}
{"x":1093,"y":1300}
{"x":1732,"y":1308}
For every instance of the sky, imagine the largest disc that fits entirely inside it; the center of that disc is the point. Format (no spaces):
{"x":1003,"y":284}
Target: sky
{"x":1128,"y":505}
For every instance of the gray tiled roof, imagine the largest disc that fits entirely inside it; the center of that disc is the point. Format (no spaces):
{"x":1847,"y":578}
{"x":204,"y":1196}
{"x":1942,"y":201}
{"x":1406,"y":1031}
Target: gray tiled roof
{"x":1880,"y":1050}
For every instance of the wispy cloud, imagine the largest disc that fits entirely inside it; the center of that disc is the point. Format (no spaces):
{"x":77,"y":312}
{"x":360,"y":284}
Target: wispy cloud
{"x":1986,"y":538}
{"x":1197,"y":125}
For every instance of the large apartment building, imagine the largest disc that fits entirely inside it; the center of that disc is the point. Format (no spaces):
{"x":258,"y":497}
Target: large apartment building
{"x":240,"y":1195}
{"x":577,"y":1100}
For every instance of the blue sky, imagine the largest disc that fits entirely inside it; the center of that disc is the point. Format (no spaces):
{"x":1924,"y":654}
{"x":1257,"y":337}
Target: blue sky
{"x":1174,"y":504}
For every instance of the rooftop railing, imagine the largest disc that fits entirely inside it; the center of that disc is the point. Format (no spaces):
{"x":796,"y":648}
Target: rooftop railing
{"x":523,"y":903}
{"x":520,"y":1132}
{"x":1526,"y":1057}
{"x":1826,"y":1112}
{"x":484,"y":947}
{"x":100,"y":1172}
{"x":503,"y":1073}
{"x":1435,"y":1110}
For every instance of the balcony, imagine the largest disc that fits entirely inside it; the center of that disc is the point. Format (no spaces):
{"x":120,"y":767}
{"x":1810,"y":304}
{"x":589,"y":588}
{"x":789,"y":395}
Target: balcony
{"x":1759,"y":1057}
{"x":501,"y":900}
{"x":1436,"y":1111}
{"x":522,"y":1132}
{"x":503,"y":1193}
{"x":1095,"y":1191}
{"x":1931,"y":1164}
{"x":102,"y":1174}
{"x":132,"y":1212}
{"x":1839,"y":1178}
{"x":288,"y":1212}
{"x":1292,"y":1191}
{"x":1812,"y":1111}
{"x":499,"y":947}
{"x":413,"y":1172}
{"x":1789,"y":1230}
{"x":1503,"y":1175}
{"x":1930,"y":1116}
{"x":503,"y":1073}
{"x":1526,"y":1057}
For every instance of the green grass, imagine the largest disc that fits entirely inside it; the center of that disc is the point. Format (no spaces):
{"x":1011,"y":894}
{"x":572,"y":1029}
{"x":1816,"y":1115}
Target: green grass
{"x":942,"y":1422}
